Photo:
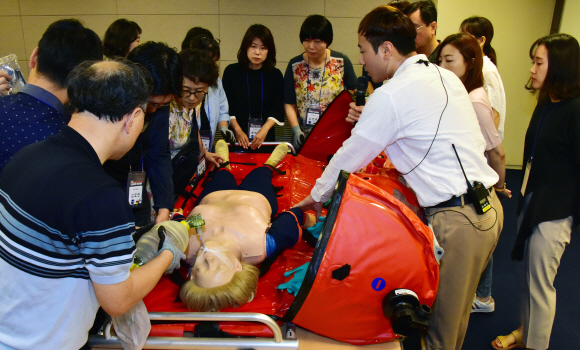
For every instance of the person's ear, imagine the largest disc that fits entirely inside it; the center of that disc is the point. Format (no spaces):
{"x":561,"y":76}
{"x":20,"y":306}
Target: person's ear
{"x":252,"y":297}
{"x":238,"y":265}
{"x":386,"y":49}
{"x":433,"y":27}
{"x":33,"y":58}
{"x":481,"y":40}
{"x":133,"y":120}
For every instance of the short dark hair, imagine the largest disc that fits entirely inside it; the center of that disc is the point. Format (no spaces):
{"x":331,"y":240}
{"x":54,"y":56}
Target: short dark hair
{"x":386,"y":23}
{"x":192,"y":33}
{"x":202,"y":39}
{"x":426,"y":8}
{"x":109,"y":90}
{"x":478,"y":27}
{"x":399,"y":4}
{"x":468,"y":48}
{"x":316,"y":27}
{"x":119,"y":36}
{"x":265,"y":35}
{"x":563,"y":76}
{"x":164,"y":65}
{"x":199,"y":67}
{"x":64,"y":45}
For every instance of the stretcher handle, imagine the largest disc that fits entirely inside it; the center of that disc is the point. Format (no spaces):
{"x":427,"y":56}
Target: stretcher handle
{"x":220,"y":317}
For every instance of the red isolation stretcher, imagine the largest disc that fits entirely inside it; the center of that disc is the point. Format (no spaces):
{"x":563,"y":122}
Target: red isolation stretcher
{"x":373,"y":259}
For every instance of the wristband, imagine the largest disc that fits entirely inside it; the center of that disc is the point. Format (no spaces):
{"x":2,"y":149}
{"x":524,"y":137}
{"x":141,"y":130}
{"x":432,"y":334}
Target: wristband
{"x":500,"y":189}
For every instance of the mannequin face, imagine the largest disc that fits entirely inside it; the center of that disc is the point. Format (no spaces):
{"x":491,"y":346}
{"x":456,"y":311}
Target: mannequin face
{"x":210,"y":271}
{"x":539,"y":68}
{"x":452,"y":60}
{"x":257,"y":54}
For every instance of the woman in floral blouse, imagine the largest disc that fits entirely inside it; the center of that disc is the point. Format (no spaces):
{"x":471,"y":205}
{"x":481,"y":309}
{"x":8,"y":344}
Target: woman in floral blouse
{"x":187,"y":118}
{"x":314,"y":78}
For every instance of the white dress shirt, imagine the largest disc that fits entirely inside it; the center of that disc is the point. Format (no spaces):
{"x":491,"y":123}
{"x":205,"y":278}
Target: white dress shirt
{"x":402,"y":117}
{"x":495,"y":91}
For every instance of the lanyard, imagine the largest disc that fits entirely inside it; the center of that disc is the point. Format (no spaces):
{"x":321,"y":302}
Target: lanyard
{"x":129,"y":154}
{"x":540,"y":126}
{"x":250,"y":99}
{"x":321,"y":80}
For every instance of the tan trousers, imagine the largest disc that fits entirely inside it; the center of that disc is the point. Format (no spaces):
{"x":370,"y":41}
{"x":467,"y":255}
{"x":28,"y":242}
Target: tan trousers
{"x":537,"y":295}
{"x":467,"y":251}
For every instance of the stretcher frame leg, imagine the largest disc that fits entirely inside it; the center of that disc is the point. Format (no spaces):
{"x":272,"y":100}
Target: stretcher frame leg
{"x":112,"y":342}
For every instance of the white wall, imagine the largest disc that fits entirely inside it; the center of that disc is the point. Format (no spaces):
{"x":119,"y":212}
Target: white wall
{"x":517,"y":24}
{"x":570,"y":23}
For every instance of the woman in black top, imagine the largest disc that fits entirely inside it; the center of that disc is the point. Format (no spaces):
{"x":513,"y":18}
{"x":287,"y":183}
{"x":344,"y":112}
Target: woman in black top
{"x":254,"y":88}
{"x":549,"y":204}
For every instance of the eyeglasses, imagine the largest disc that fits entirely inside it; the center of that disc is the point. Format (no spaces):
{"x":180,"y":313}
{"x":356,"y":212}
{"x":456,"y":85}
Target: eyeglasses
{"x":417,"y":28}
{"x":156,"y":105}
{"x":197,"y":94}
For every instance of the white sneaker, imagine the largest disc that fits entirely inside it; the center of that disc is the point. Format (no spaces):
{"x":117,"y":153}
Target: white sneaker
{"x":480,"y":306}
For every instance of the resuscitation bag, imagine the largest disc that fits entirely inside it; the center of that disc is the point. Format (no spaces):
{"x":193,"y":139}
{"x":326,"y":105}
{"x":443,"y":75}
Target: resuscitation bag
{"x":371,"y":244}
{"x":149,"y":244}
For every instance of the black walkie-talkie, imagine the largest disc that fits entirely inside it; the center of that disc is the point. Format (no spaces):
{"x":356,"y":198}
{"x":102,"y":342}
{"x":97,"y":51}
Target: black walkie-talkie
{"x":477,"y":192}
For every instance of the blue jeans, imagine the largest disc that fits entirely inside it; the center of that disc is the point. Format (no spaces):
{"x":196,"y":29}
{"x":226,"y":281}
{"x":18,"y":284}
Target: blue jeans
{"x":484,"y":286}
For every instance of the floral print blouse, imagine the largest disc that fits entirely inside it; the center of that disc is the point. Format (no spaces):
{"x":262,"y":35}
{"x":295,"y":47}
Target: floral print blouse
{"x":303,"y":92}
{"x":180,"y":122}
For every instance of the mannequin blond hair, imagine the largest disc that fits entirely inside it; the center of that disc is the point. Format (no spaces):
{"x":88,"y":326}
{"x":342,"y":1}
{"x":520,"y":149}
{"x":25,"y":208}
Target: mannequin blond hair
{"x":239,"y":291}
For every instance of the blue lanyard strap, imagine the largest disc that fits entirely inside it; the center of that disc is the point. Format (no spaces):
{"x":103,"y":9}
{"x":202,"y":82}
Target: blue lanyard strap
{"x":250,"y":99}
{"x":321,"y":80}
{"x":540,"y":126}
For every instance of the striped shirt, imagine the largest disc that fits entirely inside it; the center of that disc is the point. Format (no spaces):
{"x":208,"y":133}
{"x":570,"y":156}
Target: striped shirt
{"x":64,"y":223}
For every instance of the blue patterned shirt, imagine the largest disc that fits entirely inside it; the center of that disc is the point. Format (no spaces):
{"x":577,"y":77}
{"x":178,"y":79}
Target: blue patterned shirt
{"x":28,"y":117}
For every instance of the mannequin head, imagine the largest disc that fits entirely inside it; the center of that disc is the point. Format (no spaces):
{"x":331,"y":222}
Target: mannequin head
{"x":237,"y":292}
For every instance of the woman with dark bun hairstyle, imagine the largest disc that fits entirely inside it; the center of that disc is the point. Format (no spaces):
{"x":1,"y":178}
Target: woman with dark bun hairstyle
{"x":482,"y":30}
{"x":550,"y":194}
{"x":121,"y":37}
{"x":255,"y":89}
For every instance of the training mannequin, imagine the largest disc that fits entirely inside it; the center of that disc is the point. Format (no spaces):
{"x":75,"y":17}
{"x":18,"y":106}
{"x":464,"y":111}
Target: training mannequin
{"x":241,"y":230}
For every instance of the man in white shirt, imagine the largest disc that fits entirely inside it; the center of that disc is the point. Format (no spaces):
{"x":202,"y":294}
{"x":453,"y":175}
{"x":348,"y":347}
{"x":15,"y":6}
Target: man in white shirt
{"x":415,"y":118}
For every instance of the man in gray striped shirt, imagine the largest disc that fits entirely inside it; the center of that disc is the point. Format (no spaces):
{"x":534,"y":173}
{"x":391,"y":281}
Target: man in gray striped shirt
{"x":66,"y":227}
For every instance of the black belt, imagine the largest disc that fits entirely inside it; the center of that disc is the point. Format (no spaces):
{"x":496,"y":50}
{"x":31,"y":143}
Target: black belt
{"x":455,"y":201}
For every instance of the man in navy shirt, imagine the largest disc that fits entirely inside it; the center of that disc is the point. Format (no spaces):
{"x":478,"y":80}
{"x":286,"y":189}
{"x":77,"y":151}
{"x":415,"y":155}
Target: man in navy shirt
{"x":37,"y":111}
{"x":66,"y":227}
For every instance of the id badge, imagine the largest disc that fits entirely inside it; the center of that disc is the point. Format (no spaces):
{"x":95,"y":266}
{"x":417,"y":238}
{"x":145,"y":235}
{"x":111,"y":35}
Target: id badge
{"x":136,"y":188}
{"x":254,"y":125}
{"x":312,"y":115}
{"x":205,"y":139}
{"x":201,"y":165}
{"x":526,"y":175}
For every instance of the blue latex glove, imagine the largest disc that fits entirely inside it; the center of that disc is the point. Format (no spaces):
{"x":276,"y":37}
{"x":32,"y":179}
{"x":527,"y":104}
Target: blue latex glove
{"x":317,"y":228}
{"x":293,"y":286}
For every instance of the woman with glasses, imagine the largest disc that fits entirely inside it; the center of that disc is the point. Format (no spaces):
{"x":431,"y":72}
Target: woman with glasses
{"x":314,"y":78}
{"x":187,"y":116}
{"x":216,"y":106}
{"x":255,"y":89}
